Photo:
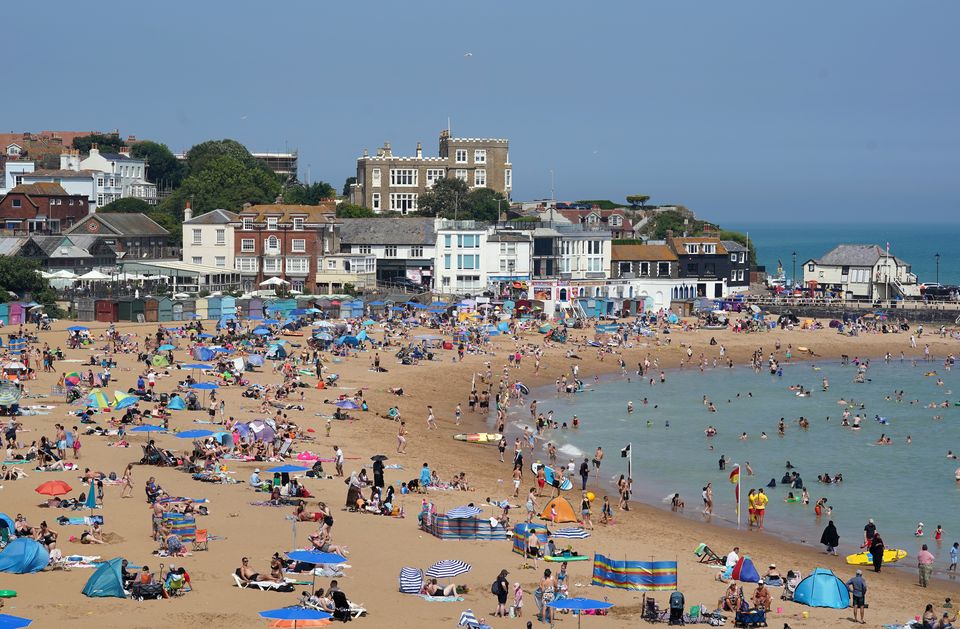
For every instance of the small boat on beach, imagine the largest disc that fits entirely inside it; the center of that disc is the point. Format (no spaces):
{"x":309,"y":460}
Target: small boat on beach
{"x":485,"y":438}
{"x":890,"y":555}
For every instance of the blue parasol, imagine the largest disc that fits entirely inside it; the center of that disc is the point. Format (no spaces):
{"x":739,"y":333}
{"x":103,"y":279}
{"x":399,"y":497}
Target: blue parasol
{"x":262,"y":332}
{"x":91,"y":502}
{"x":77,"y":328}
{"x":295,"y":614}
{"x":350,"y":405}
{"x":205,"y":335}
{"x":288,"y":469}
{"x":194,"y":434}
{"x":126,"y":402}
{"x":205,"y":386}
{"x":197,"y":366}
{"x":147,"y":428}
{"x":15,"y":622}
{"x":271,"y":321}
{"x":579,"y":605}
{"x":166,"y":347}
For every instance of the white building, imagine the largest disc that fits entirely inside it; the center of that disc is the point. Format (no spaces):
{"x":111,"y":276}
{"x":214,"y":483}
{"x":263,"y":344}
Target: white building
{"x":458,"y":267}
{"x":861,"y":272}
{"x":507,"y":256}
{"x":123,"y":176}
{"x":208,"y":240}
{"x":584,"y":254}
{"x":404,"y":249}
{"x":13,"y":175}
{"x":89,"y":183}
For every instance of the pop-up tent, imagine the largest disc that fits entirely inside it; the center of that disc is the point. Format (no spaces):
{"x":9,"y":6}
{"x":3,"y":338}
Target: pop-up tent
{"x":822,"y":589}
{"x":565,"y":512}
{"x":24,"y":555}
{"x":176,"y":403}
{"x":107,"y":580}
{"x":745,"y":571}
{"x":411,"y":580}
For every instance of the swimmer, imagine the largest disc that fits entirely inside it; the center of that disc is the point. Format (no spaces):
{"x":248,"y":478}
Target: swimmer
{"x":744,"y":437}
{"x":763,"y":435}
{"x":919,"y":532}
{"x":630,"y":406}
{"x":749,"y":469}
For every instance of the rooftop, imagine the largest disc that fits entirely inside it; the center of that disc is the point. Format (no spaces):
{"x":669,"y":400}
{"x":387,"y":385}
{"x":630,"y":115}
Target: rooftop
{"x":64,"y":174}
{"x":213,"y":217}
{"x":642,"y":252}
{"x":41,"y":189}
{"x":414,"y":230}
{"x":732,"y":245}
{"x":120,"y":225}
{"x":326,"y":212}
{"x":855,"y":255}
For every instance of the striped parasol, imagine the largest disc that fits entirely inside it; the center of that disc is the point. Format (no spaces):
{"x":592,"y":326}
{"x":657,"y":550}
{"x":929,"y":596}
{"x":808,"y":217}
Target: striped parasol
{"x":448,"y":568}
{"x":72,"y":379}
{"x":462,"y":513}
{"x":572,"y":533}
{"x":9,"y":393}
{"x":469,"y":620}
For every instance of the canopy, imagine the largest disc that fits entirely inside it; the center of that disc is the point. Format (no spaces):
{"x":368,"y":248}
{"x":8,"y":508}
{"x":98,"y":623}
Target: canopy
{"x":54,"y":488}
{"x":107,"y":580}
{"x":194,"y":434}
{"x":13,"y":622}
{"x":822,"y":589}
{"x":288,"y":469}
{"x":24,"y":555}
{"x":316,"y":557}
{"x":274,"y":281}
{"x":94,"y":275}
{"x":9,"y":393}
{"x":565,"y":512}
{"x":571,"y":533}
{"x":63,"y":274}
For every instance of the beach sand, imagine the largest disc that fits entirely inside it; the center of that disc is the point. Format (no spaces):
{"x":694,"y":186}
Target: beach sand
{"x":380,"y":546}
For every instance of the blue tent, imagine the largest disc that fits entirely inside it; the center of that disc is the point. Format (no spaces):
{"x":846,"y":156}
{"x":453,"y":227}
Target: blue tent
{"x":176,"y":403}
{"x":10,"y":524}
{"x":822,"y":589}
{"x":203,"y":353}
{"x":24,"y":555}
{"x":106,"y":580}
{"x":276,"y":351}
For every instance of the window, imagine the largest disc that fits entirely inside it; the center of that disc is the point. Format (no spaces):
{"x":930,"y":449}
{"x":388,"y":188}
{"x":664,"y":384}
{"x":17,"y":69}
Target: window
{"x":508,"y":248}
{"x":709,"y":269}
{"x":221,"y":236}
{"x":16,"y":203}
{"x":480,"y":178}
{"x":332,"y":263}
{"x":743,"y":257}
{"x":692,"y":247}
{"x":99,"y":182}
{"x":468,"y":241}
{"x":644,"y":269}
{"x":461,"y":174}
{"x":416,"y":252}
{"x":375,"y":201}
{"x":616,"y":220}
{"x":404,"y":177}
{"x":18,"y":179}
{"x":461,"y":156}
{"x":272,"y":244}
{"x":247,"y":223}
{"x":594,"y":265}
{"x":693,"y":269}
{"x":197,"y":237}
{"x":733,"y":257}
{"x":480,"y":156}
{"x":446,"y":261}
{"x":298,"y":245}
{"x":272,"y":223}
{"x":197,"y":259}
{"x":221,"y":261}
{"x":434,"y":175}
{"x":446,"y":241}
{"x":298,"y":223}
{"x":390,"y":251}
{"x":364,"y":249}
{"x":811,"y":267}
{"x":663,"y":269}
{"x":445,"y":281}
{"x":403,"y":202}
{"x":376,"y":178}
{"x":247,"y":244}
{"x":709,"y":248}
{"x":507,"y":265}
{"x":860,"y":276}
{"x":468,"y":262}
{"x":271,"y":265}
{"x":298,"y":265}
{"x":594,"y":247}
{"x":99,"y":199}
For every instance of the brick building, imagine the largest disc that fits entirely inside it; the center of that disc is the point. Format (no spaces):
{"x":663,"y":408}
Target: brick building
{"x":387,"y":182}
{"x":41,"y":208}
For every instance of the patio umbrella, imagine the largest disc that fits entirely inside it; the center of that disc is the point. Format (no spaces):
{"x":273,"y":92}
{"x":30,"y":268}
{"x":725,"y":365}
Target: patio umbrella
{"x":271,"y":321}
{"x":579,"y":605}
{"x":274,"y":281}
{"x":194,"y":434}
{"x":9,"y":393}
{"x":205,"y":386}
{"x":295,"y":614}
{"x":197,"y":366}
{"x":97,"y":399}
{"x":77,"y":328}
{"x":262,"y":332}
{"x":72,"y":379}
{"x":316,"y":558}
{"x":13,"y":622}
{"x":379,"y":457}
{"x":147,"y":428}
{"x":54,"y":488}
{"x":205,"y":335}
{"x":323,"y":336}
{"x":459,"y":513}
{"x":350,"y":405}
{"x":447,"y":569}
{"x":166,"y":347}
{"x":288,"y":469}
{"x":572,"y":533}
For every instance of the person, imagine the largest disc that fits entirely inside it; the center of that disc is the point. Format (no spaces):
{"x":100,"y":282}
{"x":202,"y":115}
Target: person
{"x":585,"y":510}
{"x":760,"y":505}
{"x":830,"y":538}
{"x":338,"y":459}
{"x":858,"y":593}
{"x":547,"y":592}
{"x":954,"y":554}
{"x":761,"y":597}
{"x":732,"y":558}
{"x":876,"y":549}
{"x":246,"y":573}
{"x":925,"y":565}
{"x":929,"y":618}
{"x":500,"y":588}
{"x":255,"y":480}
{"x":517,"y":600}
{"x":584,"y":473}
{"x":730,"y":601}
{"x":127,"y":490}
{"x":433,"y":589}
{"x":868,"y":532}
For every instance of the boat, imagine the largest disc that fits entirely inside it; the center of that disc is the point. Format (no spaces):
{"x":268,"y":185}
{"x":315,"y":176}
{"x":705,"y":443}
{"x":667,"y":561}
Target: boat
{"x":486,"y":438}
{"x":549,"y":473}
{"x":890,"y":555}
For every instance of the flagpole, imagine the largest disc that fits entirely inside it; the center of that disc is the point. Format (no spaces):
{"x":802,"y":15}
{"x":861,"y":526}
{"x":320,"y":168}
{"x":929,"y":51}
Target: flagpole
{"x":630,"y":462}
{"x":739,"y":474}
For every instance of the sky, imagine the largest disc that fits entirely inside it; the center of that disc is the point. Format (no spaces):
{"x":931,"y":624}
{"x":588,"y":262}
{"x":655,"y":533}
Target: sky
{"x":742,"y":111}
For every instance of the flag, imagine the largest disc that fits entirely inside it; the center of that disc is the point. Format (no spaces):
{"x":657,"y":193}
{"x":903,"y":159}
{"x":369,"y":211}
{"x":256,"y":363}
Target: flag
{"x":625,"y":452}
{"x":735,"y":479}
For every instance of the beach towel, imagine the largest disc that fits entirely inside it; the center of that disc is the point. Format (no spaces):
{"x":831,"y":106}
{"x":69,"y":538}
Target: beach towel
{"x":441,"y":599}
{"x":86,"y":521}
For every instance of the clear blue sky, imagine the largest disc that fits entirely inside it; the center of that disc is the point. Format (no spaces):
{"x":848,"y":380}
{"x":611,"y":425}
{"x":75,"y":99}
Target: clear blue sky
{"x":743,"y":111}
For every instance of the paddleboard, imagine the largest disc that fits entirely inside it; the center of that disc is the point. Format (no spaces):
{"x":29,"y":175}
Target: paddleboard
{"x":890,"y":555}
{"x":548,"y":473}
{"x":561,"y":558}
{"x":485,"y":438}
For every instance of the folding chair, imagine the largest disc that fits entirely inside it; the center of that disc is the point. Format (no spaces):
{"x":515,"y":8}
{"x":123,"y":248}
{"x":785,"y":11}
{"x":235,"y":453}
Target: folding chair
{"x":707,"y":555}
{"x":200,"y":541}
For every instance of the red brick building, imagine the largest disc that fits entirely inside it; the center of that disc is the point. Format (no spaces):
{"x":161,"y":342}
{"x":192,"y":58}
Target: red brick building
{"x":285,"y":241}
{"x":41,"y":208}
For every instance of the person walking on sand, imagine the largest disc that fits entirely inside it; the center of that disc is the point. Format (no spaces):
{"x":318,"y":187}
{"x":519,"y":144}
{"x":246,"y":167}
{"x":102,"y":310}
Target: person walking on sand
{"x":127,"y":490}
{"x":925,"y":561}
{"x":708,"y":499}
{"x":431,"y":420}
{"x":858,"y":591}
{"x":402,"y":438}
{"x":876,"y":549}
{"x":584,"y":473}
{"x":597,"y":459}
{"x":338,"y":459}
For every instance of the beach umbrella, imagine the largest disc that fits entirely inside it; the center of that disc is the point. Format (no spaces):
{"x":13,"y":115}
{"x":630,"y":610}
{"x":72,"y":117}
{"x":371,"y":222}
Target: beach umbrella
{"x":194,"y":434}
{"x":9,"y":393}
{"x":316,"y":558}
{"x":97,"y":399}
{"x":126,"y":402}
{"x":274,"y":281}
{"x":295,"y":614}
{"x":369,"y":322}
{"x":572,"y":533}
{"x":72,"y":379}
{"x":379,"y":457}
{"x":288,"y":469}
{"x":205,"y":386}
{"x":323,"y":336}
{"x":77,"y":328}
{"x":147,"y":428}
{"x":262,"y":332}
{"x":459,"y":513}
{"x":205,"y":335}
{"x":13,"y":622}
{"x":54,"y":488}
{"x":447,"y":569}
{"x":579,"y":605}
{"x":347,"y":404}
{"x":271,"y":322}
{"x":197,"y":366}
{"x":15,"y":366}
{"x":166,"y":347}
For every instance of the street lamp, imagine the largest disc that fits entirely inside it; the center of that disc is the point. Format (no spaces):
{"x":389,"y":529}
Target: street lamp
{"x":793,"y":277}
{"x":936,"y":257}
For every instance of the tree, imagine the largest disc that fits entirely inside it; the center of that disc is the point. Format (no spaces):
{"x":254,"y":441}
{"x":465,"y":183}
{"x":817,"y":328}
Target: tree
{"x":20,"y":276}
{"x":638,"y":199}
{"x":447,"y":199}
{"x":603,"y":204}
{"x":106,"y":143}
{"x":169,"y":222}
{"x":675,"y":221}
{"x":349,"y":210}
{"x":50,"y":161}
{"x":127,"y":205}
{"x":200,"y":155}
{"x":309,"y":195}
{"x":347,"y":185}
{"x":163,"y":168}
{"x":222,"y":181}
{"x":485,"y":204}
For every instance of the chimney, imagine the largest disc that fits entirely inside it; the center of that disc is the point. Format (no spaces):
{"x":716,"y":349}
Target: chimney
{"x":419,"y":150}
{"x":94,"y":150}
{"x":187,"y":213}
{"x":70,"y":160}
{"x":669,"y":234}
{"x":366,"y":153}
{"x":386,"y":150}
{"x":125,"y":151}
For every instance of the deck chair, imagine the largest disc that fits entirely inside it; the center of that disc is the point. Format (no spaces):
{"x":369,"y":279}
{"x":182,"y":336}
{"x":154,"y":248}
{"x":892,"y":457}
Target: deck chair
{"x":200,"y":541}
{"x":694,"y":616}
{"x":652,"y":612}
{"x":285,"y":448}
{"x":707,"y":555}
{"x":260,"y":585}
{"x":341,"y":606}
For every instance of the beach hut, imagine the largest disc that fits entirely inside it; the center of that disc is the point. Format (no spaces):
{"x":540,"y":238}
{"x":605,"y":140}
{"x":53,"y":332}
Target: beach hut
{"x":124,"y":308}
{"x":200,"y":308}
{"x":565,"y":511}
{"x":255,"y":307}
{"x":472,"y":528}
{"x":189,"y":308}
{"x":5,"y":313}
{"x":228,"y":306}
{"x":176,"y":310}
{"x":106,"y":581}
{"x":822,"y":589}
{"x":151,"y":310}
{"x":280,"y":308}
{"x":164,"y":309}
{"x":23,"y":556}
{"x":243,"y":308}
{"x":138,"y":309}
{"x":17,"y":313}
{"x":107,"y":311}
{"x":214,"y":307}
{"x":522,"y":531}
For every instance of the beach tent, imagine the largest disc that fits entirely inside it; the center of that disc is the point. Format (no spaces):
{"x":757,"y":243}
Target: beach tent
{"x":565,"y":512}
{"x":411,"y":580}
{"x":176,"y":403}
{"x":522,"y":531}
{"x":822,"y":589}
{"x":24,"y":555}
{"x":277,"y":351}
{"x":745,"y":571}
{"x":203,"y":353}
{"x":106,"y":580}
{"x":439,"y":525}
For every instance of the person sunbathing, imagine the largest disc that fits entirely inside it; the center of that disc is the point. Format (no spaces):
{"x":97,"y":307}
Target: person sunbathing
{"x":319,"y":600}
{"x":93,"y":536}
{"x":276,"y":570}
{"x":433,"y":589}
{"x":321,"y":541}
{"x":246,"y":573}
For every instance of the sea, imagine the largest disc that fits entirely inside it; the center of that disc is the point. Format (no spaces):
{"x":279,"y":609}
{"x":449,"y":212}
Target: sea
{"x":916,"y":243}
{"x":897,"y":485}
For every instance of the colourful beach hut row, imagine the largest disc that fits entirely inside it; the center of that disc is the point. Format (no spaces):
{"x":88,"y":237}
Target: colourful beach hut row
{"x":14,"y":313}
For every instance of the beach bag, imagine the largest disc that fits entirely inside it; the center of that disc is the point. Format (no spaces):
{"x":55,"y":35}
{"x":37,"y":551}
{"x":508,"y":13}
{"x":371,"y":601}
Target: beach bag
{"x":495,"y":588}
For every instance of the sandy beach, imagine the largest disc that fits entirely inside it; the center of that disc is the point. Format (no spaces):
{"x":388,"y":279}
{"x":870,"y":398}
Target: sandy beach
{"x":379,"y":546}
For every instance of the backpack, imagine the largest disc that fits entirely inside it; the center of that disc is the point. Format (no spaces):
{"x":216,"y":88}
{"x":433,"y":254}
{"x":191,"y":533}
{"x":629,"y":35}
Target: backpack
{"x":495,"y":588}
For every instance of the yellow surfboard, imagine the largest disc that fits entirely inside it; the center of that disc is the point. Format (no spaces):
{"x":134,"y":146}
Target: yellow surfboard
{"x":890,"y":555}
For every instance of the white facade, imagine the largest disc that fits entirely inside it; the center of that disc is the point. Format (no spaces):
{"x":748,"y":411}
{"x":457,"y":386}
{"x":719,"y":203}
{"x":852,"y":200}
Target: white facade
{"x":13,"y":175}
{"x":585,"y":254}
{"x":459,"y":267}
{"x":123,"y":176}
{"x":507,"y":257}
{"x":208,"y":240}
{"x":82,"y":182}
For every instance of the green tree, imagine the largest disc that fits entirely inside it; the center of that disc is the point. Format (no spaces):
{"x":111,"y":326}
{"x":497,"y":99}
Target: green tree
{"x":485,"y":204}
{"x":169,"y":222}
{"x":603,"y":204}
{"x":224,"y":181}
{"x":106,"y":143}
{"x":638,"y":199}
{"x":447,"y":199}
{"x":20,"y":276}
{"x":163,"y":168}
{"x":309,"y":195}
{"x":349,"y":210}
{"x":675,"y":221}
{"x":347,"y":185}
{"x":201,"y":155}
{"x":127,"y":205}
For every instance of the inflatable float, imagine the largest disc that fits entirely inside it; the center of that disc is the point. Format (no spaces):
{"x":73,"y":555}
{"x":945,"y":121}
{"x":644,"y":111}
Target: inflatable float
{"x":487,"y":438}
{"x":549,"y":473}
{"x":562,"y":558}
{"x":891,"y":555}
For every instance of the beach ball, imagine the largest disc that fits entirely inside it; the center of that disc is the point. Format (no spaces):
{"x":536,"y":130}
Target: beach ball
{"x":590,"y":496}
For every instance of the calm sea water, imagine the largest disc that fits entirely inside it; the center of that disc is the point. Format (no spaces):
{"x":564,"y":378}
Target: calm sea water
{"x":897,"y":485}
{"x":915,"y":243}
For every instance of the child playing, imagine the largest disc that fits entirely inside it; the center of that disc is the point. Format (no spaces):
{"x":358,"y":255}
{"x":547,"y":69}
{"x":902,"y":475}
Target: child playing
{"x":518,"y":600}
{"x":553,"y":513}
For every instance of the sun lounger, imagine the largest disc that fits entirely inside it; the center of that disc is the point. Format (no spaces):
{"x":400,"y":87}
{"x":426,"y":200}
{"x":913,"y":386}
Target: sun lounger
{"x":261,"y":585}
{"x":707,"y":555}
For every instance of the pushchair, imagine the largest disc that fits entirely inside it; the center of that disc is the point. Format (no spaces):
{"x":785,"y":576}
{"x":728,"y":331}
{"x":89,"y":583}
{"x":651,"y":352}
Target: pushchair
{"x":790,"y":584}
{"x":146,"y":591}
{"x":676,"y":609}
{"x":651,"y":611}
{"x":751,"y":618}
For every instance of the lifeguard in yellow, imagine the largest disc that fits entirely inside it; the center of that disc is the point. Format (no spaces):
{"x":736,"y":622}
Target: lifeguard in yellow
{"x":760,"y":506}
{"x":751,"y":507}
